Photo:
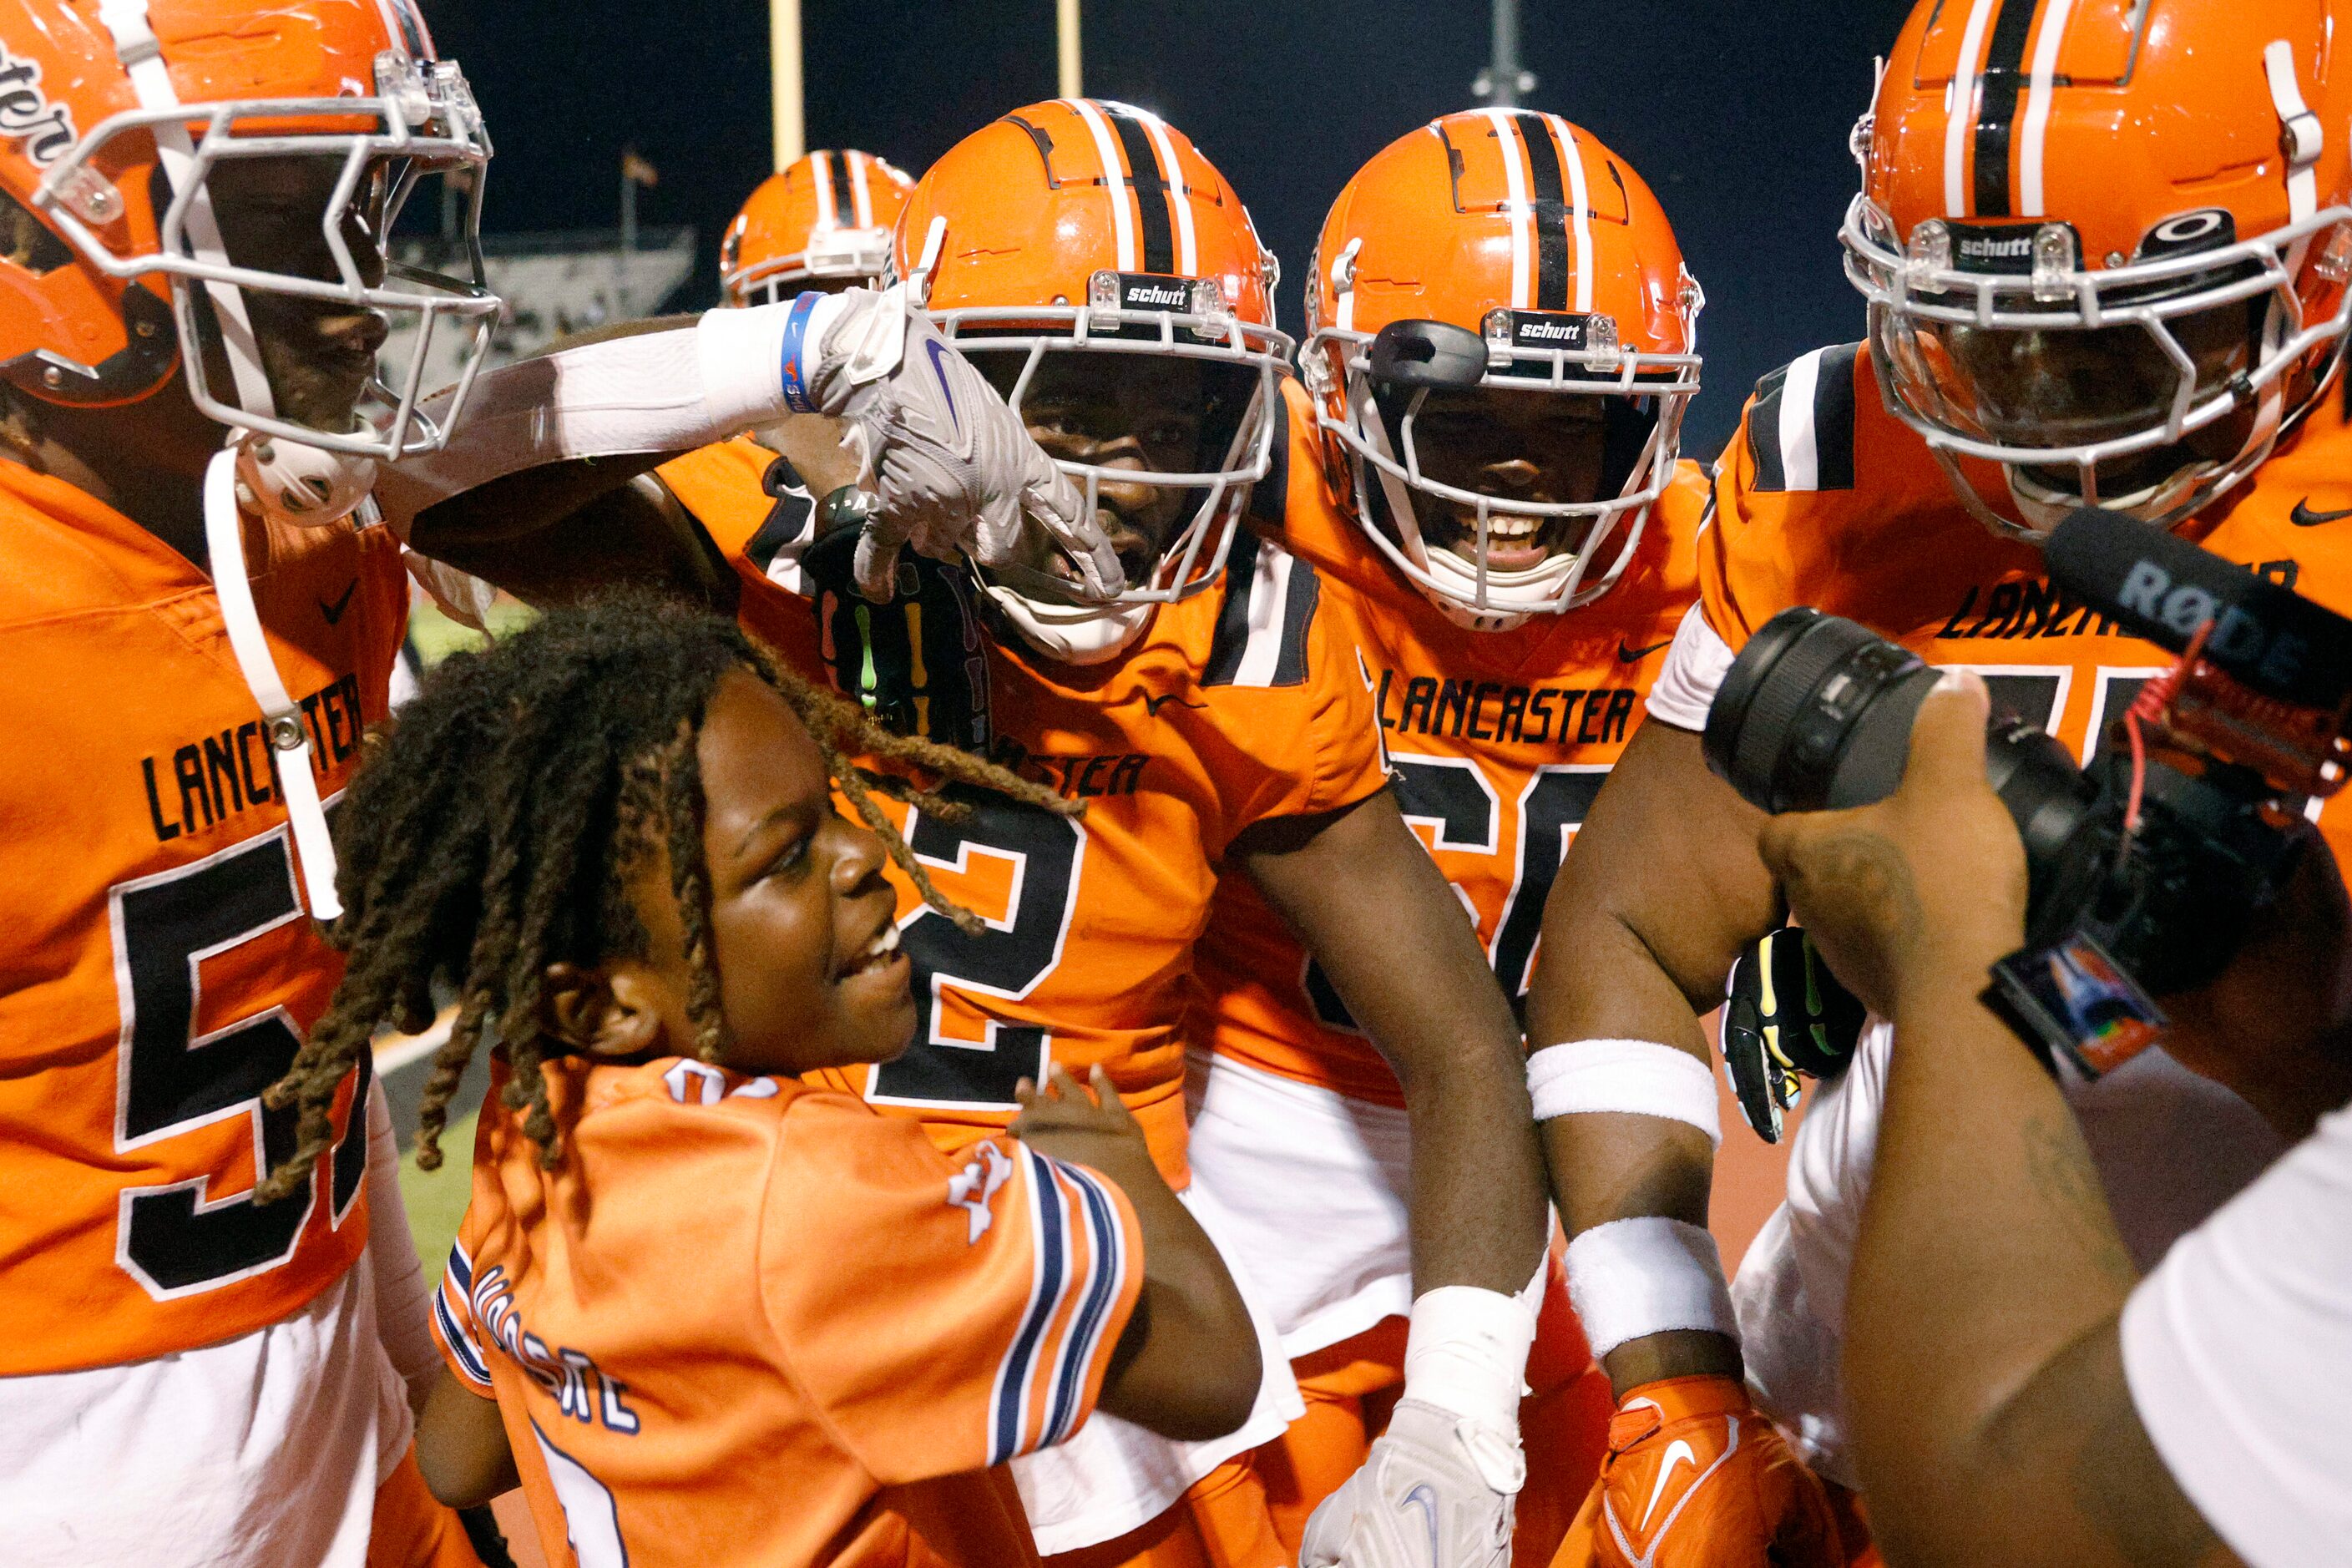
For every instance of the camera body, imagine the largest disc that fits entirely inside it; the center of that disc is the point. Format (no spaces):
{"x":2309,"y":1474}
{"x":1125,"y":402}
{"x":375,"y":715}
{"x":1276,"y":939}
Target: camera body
{"x":1816,"y":714}
{"x":2146,"y":868}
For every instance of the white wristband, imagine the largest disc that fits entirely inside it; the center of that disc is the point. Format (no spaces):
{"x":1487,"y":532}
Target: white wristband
{"x":1466,"y":1351}
{"x":1637,"y":1077}
{"x":1646,"y":1276}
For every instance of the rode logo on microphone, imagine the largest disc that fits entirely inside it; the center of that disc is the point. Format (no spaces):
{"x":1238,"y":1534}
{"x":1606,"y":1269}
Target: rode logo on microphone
{"x":2238,"y":637}
{"x":27,"y":115}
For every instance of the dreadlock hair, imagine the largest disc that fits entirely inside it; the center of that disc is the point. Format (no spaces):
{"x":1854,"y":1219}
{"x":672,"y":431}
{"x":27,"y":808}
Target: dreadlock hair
{"x":492,"y":832}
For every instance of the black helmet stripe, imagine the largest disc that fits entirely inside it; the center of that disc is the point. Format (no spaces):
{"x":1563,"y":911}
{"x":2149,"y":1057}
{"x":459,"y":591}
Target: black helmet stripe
{"x":1150,"y":184}
{"x":1547,"y":191}
{"x":2001,"y":84}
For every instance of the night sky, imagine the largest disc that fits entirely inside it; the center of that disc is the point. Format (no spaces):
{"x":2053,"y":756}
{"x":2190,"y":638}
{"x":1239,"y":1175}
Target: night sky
{"x":1736,"y":111}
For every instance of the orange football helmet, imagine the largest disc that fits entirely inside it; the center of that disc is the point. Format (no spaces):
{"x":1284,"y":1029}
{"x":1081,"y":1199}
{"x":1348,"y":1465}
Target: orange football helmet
{"x":1085,"y":250}
{"x":97,"y":97}
{"x":1508,"y":265}
{"x":2106,"y":245}
{"x":825,"y":220}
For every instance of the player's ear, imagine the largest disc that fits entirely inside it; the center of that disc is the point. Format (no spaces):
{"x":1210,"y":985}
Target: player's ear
{"x":612,"y":1012}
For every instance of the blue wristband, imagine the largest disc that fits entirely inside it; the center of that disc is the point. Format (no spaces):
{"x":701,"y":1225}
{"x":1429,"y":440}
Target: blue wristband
{"x":795,"y":384}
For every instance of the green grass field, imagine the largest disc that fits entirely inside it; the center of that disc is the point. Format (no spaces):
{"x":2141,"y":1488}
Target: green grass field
{"x":436,"y":1199}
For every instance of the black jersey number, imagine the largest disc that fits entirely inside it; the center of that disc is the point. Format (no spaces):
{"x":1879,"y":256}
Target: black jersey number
{"x":1452,"y":795}
{"x":1008,"y":959}
{"x":176,"y":1240}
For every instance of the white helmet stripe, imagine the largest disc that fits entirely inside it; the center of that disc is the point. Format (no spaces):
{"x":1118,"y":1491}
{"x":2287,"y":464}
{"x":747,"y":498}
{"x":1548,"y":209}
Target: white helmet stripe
{"x":2037,"y":107}
{"x":1116,"y":185}
{"x":820,"y":172}
{"x":864,"y":198}
{"x":1515,"y":189}
{"x":1961,"y":100}
{"x":2301,"y":135}
{"x":1579,"y":210}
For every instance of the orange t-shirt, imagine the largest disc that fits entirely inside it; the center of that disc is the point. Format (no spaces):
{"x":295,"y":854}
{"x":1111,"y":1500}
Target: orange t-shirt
{"x":1497,"y":743}
{"x":1243,"y":702}
{"x":1864,"y":524}
{"x":156,"y":966}
{"x":739,"y":1309}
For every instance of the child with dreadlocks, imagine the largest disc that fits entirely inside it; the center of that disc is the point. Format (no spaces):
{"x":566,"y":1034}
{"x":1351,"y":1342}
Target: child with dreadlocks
{"x":726,"y":1316}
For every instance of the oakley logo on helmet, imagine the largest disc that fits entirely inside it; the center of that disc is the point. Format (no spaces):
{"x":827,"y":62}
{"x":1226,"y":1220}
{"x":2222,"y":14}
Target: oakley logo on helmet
{"x":27,"y":115}
{"x":2209,"y":229}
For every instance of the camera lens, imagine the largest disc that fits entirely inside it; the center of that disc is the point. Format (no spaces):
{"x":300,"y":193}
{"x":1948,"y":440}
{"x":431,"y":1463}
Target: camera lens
{"x":1815,"y":714}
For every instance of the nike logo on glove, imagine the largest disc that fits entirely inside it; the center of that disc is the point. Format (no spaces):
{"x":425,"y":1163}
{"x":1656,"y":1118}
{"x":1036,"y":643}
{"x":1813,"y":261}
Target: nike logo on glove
{"x":2303,"y":517}
{"x":1426,"y":1501}
{"x":334,"y":612}
{"x":938,"y":350}
{"x":1677,"y":1452}
{"x":1634,"y":655}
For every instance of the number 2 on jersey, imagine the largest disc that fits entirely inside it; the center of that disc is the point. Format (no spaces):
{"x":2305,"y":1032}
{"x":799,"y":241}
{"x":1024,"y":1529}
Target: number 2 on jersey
{"x":1008,"y":958}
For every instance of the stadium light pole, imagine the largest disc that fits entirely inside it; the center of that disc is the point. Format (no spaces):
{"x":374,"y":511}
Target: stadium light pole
{"x":1065,"y":37}
{"x":1502,"y":81}
{"x":784,"y":80}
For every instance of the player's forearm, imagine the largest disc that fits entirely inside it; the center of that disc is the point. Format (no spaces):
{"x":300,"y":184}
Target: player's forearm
{"x":461,"y":1445}
{"x":1378,"y":917}
{"x":1987,"y":1262}
{"x":1189,"y":1365}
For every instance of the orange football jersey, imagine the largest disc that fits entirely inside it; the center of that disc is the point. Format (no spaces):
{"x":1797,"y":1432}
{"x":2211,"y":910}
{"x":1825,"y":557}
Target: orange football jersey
{"x":1240,"y":703}
{"x":741,"y":1307}
{"x":157,"y":967}
{"x":1825,"y":498}
{"x":1497,"y":743}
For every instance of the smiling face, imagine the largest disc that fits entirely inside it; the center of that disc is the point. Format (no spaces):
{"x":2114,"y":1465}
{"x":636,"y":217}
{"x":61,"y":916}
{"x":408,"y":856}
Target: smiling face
{"x":1131,"y":414}
{"x":1512,"y":446}
{"x":803,"y":924}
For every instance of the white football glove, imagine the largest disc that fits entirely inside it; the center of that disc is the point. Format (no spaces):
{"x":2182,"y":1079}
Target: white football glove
{"x":953,"y":467}
{"x":1437,"y":1491}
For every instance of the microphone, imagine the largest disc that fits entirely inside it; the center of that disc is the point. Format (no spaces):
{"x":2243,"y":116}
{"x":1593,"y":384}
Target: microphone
{"x":2161,"y":587}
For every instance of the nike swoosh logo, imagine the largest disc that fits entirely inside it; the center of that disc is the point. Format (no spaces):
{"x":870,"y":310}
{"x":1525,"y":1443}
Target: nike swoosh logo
{"x":2303,"y":517}
{"x":1633,"y":655}
{"x":1152,"y":705}
{"x":1677,"y":1451}
{"x":1422,"y":1498}
{"x":334,"y":612}
{"x":938,"y":350}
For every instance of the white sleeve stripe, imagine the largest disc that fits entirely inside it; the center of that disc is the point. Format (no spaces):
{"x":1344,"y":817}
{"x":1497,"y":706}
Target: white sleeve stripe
{"x":1048,"y":1288}
{"x":1268,"y":606}
{"x":1107,"y":1272}
{"x":461,"y":1342}
{"x":1799,"y":450}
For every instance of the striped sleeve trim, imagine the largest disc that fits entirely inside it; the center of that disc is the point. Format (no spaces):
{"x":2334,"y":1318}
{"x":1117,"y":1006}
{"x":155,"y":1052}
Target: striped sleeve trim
{"x":1081,"y":1262}
{"x":452,"y":1319}
{"x":1800,"y":424}
{"x":1262,"y":627}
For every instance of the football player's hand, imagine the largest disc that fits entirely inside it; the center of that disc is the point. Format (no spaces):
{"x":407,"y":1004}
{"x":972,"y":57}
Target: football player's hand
{"x":1436,"y":1490}
{"x":1784,"y":1014}
{"x":954,"y":471}
{"x":1697,"y":1478}
{"x":1061,"y":1119}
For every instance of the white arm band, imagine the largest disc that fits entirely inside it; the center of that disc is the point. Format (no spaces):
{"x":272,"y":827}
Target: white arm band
{"x":1465,"y":1350}
{"x":668,"y":391}
{"x":1632,"y":1277}
{"x":404,"y":1302}
{"x":1639,"y":1078}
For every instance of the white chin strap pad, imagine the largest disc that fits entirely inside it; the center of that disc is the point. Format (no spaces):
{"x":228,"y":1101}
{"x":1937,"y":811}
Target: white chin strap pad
{"x":293,"y":481}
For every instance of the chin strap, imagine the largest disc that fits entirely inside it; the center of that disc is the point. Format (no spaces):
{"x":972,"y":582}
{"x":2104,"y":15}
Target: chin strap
{"x":289,"y":736}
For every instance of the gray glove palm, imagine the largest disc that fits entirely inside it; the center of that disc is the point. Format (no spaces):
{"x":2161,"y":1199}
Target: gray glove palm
{"x":954,"y":469}
{"x":1436,"y":1492}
